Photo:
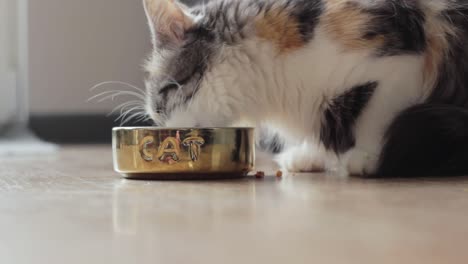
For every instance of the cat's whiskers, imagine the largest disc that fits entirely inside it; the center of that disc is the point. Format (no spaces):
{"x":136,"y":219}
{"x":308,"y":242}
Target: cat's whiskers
{"x":134,"y":109}
{"x":141,"y":114}
{"x":113,"y":94}
{"x":158,"y":118}
{"x":141,"y":91}
{"x":131,"y":111}
{"x":123,"y":106}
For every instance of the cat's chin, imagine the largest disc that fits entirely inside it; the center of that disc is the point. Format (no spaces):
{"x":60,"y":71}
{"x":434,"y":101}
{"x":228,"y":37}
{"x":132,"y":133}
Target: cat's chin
{"x":189,"y":120}
{"x":182,"y":120}
{"x":186,"y":123}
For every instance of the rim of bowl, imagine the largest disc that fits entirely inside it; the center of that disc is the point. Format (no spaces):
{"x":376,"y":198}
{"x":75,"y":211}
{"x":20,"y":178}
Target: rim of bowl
{"x":180,"y":128}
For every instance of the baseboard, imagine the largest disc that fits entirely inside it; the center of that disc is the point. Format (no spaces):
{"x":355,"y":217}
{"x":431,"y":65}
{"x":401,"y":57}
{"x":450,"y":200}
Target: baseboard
{"x":76,"y":129}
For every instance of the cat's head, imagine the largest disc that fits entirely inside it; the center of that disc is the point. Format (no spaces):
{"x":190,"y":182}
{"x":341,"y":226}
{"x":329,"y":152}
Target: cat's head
{"x":186,"y":47}
{"x":212,"y":63}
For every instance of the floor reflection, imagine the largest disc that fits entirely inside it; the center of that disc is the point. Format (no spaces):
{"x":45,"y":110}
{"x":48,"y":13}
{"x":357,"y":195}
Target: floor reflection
{"x":140,"y":206}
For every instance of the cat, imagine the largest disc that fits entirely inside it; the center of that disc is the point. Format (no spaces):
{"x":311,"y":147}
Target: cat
{"x":368,"y":87}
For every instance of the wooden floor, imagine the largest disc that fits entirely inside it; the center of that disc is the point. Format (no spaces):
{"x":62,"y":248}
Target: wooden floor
{"x":72,"y":208}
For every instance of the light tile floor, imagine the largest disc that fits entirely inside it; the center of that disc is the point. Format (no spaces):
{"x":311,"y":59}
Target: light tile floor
{"x":72,"y":208}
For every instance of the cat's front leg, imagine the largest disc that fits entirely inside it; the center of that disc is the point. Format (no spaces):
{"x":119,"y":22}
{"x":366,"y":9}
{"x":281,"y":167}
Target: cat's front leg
{"x":361,"y":162}
{"x":302,"y":158}
{"x":364,"y":157}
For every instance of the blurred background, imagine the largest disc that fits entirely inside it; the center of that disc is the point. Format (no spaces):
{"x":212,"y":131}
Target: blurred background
{"x":74,"y":45}
{"x":53,"y":51}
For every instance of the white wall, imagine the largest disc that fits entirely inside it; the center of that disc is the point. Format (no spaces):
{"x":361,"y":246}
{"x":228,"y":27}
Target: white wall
{"x":8,"y":61}
{"x":77,"y":44}
{"x":8,"y":35}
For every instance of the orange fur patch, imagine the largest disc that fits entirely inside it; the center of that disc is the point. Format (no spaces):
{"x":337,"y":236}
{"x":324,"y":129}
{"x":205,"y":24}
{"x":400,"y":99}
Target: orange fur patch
{"x":278,"y":27}
{"x":437,"y":45}
{"x":345,"y":23}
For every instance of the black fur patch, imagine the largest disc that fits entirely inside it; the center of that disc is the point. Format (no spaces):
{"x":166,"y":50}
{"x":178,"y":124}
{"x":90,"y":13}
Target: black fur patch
{"x":307,"y":13}
{"x":426,"y":140}
{"x":340,"y":116}
{"x":226,"y":20}
{"x":230,"y":18}
{"x":452,"y":84}
{"x":401,"y":22}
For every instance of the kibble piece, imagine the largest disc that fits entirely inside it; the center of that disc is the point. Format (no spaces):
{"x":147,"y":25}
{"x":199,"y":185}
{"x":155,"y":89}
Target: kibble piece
{"x":279,"y":174}
{"x":260,"y":174}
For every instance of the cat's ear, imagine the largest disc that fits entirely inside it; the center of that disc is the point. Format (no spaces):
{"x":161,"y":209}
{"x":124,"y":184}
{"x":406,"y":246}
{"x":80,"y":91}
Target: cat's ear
{"x":167,"y":20}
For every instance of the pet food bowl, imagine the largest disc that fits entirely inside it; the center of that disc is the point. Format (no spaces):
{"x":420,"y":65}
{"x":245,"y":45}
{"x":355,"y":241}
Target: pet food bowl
{"x":183,"y":153}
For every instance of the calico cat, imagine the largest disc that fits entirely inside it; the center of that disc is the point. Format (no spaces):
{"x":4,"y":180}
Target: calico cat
{"x":374,"y":87}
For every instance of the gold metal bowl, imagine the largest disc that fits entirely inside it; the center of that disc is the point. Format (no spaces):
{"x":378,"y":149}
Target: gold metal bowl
{"x":183,"y":154}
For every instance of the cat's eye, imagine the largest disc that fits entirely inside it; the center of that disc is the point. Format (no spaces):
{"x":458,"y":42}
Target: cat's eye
{"x":166,"y":89}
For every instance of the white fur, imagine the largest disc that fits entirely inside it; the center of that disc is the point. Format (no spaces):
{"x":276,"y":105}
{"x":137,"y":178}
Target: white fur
{"x":252,"y":82}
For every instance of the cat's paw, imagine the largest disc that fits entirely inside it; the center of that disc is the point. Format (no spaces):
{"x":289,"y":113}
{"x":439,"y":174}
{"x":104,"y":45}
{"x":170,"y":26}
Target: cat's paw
{"x":301,"y":159}
{"x":360,"y":163}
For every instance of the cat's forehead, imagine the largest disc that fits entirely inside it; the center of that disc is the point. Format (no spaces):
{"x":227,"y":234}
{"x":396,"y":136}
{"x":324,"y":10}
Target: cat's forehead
{"x":180,"y":62}
{"x":220,"y":23}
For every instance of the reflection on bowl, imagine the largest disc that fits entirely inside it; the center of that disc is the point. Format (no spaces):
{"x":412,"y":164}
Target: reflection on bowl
{"x":183,"y":153}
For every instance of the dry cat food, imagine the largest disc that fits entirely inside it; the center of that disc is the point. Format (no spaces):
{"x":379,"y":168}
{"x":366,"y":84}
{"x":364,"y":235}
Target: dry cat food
{"x":260,"y":175}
